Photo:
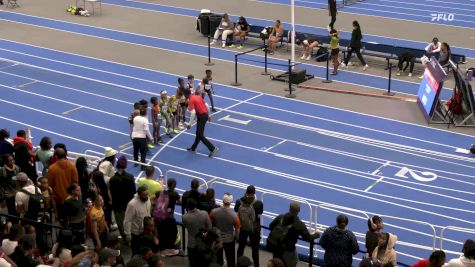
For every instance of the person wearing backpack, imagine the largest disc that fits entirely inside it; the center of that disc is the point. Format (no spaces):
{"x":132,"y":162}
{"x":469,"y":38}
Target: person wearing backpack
{"x":167,"y":230}
{"x":340,"y":244}
{"x":249,"y":210}
{"x":29,"y":200}
{"x":284,"y":232}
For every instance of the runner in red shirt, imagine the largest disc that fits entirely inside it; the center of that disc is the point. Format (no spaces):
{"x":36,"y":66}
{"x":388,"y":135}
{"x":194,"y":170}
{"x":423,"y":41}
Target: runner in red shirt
{"x":200,"y":109}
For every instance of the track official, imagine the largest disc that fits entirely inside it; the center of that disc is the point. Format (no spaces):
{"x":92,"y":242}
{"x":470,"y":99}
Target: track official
{"x":199,"y":109}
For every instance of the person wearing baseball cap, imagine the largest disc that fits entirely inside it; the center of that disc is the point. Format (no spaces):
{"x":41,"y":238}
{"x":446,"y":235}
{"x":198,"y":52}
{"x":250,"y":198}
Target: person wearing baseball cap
{"x":108,"y":257}
{"x":106,"y":166}
{"x":249,"y":228}
{"x":227,"y":221}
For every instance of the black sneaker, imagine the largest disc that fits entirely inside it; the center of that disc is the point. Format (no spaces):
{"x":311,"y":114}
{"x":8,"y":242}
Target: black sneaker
{"x":213,"y":109}
{"x":211,"y":154}
{"x":190,"y":149}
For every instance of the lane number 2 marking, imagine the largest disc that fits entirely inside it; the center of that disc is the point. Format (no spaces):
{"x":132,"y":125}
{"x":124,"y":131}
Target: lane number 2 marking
{"x":419,"y":176}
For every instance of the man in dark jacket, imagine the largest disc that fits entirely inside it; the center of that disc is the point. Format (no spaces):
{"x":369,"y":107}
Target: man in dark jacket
{"x":339,"y":243}
{"x":24,"y":155}
{"x":193,"y":193}
{"x":255,"y":233}
{"x":122,"y":188}
{"x":296,"y":228}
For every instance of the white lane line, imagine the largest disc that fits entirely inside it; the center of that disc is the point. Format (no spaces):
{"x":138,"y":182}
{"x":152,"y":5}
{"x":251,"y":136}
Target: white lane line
{"x":274,"y":146}
{"x":375,"y":183}
{"x":384,"y":165}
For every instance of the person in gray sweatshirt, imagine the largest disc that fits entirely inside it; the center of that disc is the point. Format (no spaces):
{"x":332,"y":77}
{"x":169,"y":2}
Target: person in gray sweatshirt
{"x":137,"y":209}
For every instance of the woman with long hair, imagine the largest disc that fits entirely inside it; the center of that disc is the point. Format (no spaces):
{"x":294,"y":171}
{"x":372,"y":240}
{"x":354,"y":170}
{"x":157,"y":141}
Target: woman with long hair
{"x":44,"y":154}
{"x":355,"y":45}
{"x":97,"y":178}
{"x":375,"y":225}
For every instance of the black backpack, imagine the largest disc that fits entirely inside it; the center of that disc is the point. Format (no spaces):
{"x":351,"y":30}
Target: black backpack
{"x":277,"y":237}
{"x":36,"y":203}
{"x":322,"y":51}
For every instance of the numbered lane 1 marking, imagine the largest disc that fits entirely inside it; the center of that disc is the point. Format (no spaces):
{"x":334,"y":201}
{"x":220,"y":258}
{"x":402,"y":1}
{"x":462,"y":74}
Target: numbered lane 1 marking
{"x":422,"y":177}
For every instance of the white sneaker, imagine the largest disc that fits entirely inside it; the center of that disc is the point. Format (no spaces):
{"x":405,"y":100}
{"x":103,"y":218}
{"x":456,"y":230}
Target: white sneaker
{"x":302,"y":57}
{"x":410,"y":74}
{"x":328,"y":28}
{"x":212,"y":43}
{"x":343,"y":65}
{"x":224,"y":44}
{"x":365,"y":67}
{"x":309,"y":57}
{"x":350,"y":64}
{"x":399,"y":74}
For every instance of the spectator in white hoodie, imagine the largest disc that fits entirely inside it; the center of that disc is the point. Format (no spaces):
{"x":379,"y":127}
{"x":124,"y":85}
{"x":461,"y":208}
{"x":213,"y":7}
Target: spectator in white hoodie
{"x":468,"y":257}
{"x":385,"y":253}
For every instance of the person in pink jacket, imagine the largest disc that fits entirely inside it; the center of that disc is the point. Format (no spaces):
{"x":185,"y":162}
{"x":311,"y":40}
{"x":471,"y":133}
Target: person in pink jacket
{"x":384,"y":253}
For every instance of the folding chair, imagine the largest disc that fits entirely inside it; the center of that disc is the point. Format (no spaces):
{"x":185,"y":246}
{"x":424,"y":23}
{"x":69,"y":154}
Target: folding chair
{"x":12,"y":4}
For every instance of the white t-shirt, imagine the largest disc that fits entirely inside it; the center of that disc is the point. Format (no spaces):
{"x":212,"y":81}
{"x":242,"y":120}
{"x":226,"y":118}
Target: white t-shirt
{"x":9,"y":246}
{"x":22,"y":198}
{"x":4,"y":263}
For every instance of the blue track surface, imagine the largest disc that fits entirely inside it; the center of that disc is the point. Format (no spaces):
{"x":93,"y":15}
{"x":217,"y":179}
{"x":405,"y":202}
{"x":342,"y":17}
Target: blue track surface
{"x":462,"y":11}
{"x":322,"y":154}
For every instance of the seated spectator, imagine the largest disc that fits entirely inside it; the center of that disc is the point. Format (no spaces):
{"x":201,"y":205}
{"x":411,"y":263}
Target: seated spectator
{"x":6,"y":145}
{"x":23,"y":254}
{"x":275,"y":262}
{"x":149,"y":236}
{"x":409,"y":59}
{"x":307,"y":47}
{"x":96,"y":224}
{"x":241,"y":30}
{"x":155,"y":261}
{"x":87,"y":258}
{"x":433,"y":47}
{"x":208,"y":201}
{"x":244,"y":261}
{"x":16,"y":233}
{"x":375,"y":225}
{"x":436,"y":259}
{"x":467,"y":259}
{"x":384,"y":253}
{"x":445,"y":54}
{"x":106,"y":165}
{"x":192,"y":193}
{"x":226,"y":27}
{"x":340,"y":244}
{"x":152,"y":185}
{"x":62,"y":248}
{"x":9,"y":187}
{"x":108,"y":257}
{"x":75,"y":250}
{"x":275,"y":36}
{"x":141,"y":259}
{"x":44,"y":154}
{"x":113,"y":243}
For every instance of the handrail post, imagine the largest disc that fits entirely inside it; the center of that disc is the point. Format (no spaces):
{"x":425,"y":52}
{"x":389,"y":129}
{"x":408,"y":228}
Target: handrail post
{"x":265,"y":60}
{"x":290,"y":95}
{"x":236,"y":83}
{"x":389,"y":93}
{"x":209,"y":63}
{"x":327,"y":79}
{"x":310,"y":257}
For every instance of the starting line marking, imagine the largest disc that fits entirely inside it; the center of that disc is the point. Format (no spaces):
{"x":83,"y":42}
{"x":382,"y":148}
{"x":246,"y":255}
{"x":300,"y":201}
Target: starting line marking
{"x":228,"y":118}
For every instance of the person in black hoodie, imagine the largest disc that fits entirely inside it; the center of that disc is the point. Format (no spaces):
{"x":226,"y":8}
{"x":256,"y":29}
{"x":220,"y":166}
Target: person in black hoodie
{"x":355,"y":45}
{"x":340,"y":244}
{"x":207,"y":201}
{"x":255,"y":234}
{"x":192,"y":193}
{"x":375,"y":225}
{"x":296,"y":228}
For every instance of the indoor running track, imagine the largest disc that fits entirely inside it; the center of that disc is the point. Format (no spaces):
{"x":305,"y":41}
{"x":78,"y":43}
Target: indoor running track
{"x":321,"y":154}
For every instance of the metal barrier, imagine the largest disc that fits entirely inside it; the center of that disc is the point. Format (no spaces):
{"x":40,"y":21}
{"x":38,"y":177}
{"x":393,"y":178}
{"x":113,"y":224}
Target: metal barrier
{"x":417,"y":222}
{"x":205,"y":183}
{"x":293,"y":198}
{"x":456,"y":228}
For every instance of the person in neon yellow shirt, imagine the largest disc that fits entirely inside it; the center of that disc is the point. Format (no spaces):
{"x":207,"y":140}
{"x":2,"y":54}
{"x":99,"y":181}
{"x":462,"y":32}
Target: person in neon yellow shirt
{"x":173,"y":104}
{"x":152,"y":185}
